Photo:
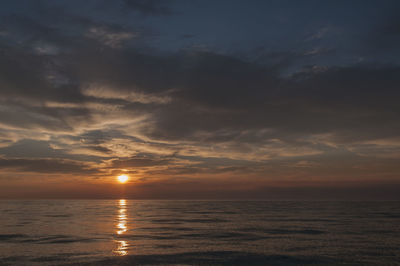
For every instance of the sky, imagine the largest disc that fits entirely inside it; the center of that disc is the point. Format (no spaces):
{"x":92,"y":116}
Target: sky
{"x":200,"y":99}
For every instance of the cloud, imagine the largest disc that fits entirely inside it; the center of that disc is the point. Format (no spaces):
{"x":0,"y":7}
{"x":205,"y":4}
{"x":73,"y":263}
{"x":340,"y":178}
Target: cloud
{"x":112,"y":39}
{"x":319,"y":34}
{"x":139,"y":162}
{"x":94,"y":90}
{"x":51,"y":166}
{"x":104,"y":92}
{"x":148,"y":7}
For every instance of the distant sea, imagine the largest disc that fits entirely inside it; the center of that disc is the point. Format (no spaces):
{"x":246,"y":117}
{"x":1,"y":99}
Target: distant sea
{"x":133,"y":232}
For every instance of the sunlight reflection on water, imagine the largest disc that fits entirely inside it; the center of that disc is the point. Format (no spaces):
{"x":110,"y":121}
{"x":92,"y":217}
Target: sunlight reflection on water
{"x":122,"y":245}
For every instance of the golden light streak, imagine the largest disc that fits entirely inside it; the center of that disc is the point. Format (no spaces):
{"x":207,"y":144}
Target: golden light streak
{"x":122,"y":245}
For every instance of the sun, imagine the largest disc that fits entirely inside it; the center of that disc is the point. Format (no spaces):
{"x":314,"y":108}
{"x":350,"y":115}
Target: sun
{"x":123,"y":178}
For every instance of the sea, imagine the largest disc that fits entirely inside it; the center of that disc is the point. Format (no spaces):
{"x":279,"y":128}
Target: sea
{"x":151,"y":232}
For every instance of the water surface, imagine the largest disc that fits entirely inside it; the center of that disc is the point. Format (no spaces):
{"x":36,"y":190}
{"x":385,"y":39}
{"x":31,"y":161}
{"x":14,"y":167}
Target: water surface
{"x":110,"y":232}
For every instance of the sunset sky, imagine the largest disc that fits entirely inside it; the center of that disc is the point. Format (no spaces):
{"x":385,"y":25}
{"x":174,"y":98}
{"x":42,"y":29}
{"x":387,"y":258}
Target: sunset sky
{"x":200,"y":99}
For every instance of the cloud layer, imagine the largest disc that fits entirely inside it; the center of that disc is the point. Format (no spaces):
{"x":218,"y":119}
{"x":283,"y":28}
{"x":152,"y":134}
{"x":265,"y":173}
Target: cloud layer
{"x":96,"y":89}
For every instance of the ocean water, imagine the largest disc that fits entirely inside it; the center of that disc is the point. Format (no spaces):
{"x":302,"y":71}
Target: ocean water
{"x":130,"y":232}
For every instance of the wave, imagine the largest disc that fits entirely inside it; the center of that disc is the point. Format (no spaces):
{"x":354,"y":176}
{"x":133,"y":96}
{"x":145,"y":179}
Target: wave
{"x":216,"y":258}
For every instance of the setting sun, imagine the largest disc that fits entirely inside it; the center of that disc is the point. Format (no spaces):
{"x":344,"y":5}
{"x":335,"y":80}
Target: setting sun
{"x":123,"y":178}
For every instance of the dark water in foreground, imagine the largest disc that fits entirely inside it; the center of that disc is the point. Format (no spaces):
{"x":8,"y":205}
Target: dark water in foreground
{"x":112,"y":232}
